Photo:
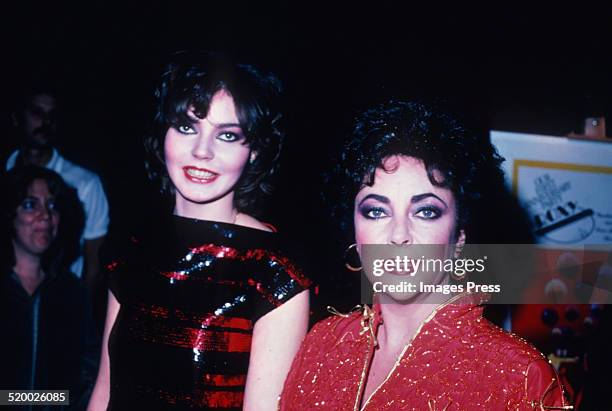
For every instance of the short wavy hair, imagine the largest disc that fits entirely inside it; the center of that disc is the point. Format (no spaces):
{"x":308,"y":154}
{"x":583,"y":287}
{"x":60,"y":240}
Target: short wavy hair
{"x":190,"y":80}
{"x":469,"y":164}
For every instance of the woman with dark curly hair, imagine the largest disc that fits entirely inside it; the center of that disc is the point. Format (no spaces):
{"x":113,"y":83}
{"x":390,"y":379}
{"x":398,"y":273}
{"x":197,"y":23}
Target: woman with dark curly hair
{"x":411,"y":178}
{"x":48,"y":340}
{"x":205,"y":310}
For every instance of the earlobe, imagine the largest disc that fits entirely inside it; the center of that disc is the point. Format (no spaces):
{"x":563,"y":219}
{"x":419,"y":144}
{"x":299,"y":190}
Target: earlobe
{"x":252,"y":157}
{"x":460,"y":243}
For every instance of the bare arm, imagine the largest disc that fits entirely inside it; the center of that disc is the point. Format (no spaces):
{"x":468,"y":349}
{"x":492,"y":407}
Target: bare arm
{"x":276,"y":338}
{"x":101,"y":393}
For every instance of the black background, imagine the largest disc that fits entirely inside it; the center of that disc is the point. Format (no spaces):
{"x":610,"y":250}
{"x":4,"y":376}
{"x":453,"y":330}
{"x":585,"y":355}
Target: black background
{"x":532,"y":69}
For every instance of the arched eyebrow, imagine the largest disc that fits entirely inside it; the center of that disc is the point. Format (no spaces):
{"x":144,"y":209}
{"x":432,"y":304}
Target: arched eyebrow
{"x":415,"y":199}
{"x":225,"y":125}
{"x":377,"y":197}
{"x":420,"y":197}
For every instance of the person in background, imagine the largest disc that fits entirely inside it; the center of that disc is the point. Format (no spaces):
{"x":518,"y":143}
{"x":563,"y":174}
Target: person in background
{"x":36,"y":122}
{"x":48,"y":342}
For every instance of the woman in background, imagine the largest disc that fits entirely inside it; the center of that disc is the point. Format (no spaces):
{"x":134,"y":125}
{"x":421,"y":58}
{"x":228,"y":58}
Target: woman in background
{"x":205,"y":310}
{"x":413,"y":177}
{"x":48,"y":340}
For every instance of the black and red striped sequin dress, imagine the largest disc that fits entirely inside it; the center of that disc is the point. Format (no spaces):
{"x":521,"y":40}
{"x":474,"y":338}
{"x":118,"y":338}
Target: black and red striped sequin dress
{"x":190,"y":296}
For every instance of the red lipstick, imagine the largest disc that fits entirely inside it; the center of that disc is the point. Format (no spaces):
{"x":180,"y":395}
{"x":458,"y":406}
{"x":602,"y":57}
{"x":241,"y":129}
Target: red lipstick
{"x":199,"y":175}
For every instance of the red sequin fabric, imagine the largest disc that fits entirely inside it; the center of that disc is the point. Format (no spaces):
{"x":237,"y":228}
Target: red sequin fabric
{"x":191,"y":294}
{"x":457,"y":361}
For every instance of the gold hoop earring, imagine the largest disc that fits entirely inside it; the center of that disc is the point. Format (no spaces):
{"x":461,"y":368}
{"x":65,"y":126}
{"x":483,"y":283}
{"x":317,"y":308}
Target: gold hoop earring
{"x":458,"y":278}
{"x":457,"y":254}
{"x":347,"y":264}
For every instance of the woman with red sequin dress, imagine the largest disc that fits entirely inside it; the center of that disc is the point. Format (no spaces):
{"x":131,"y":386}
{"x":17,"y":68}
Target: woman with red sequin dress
{"x":205,"y":310}
{"x":411,"y":177}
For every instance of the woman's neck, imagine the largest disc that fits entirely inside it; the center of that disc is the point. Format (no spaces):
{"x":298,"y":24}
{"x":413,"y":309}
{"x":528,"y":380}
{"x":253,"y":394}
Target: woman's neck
{"x":402,"y":321}
{"x":221,"y":210}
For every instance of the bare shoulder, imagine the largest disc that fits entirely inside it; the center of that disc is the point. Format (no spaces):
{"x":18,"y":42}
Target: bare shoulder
{"x":251,"y":222}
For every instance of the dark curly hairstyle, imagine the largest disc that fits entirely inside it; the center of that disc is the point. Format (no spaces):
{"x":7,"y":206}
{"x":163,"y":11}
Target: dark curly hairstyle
{"x":469,"y":164}
{"x":190,"y":81}
{"x":65,"y":248}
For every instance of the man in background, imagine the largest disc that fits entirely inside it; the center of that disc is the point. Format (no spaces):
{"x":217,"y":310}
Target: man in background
{"x":36,"y":120}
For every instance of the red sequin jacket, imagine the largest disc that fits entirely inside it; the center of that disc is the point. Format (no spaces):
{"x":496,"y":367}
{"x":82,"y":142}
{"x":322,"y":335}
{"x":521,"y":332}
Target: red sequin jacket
{"x":456,"y":361}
